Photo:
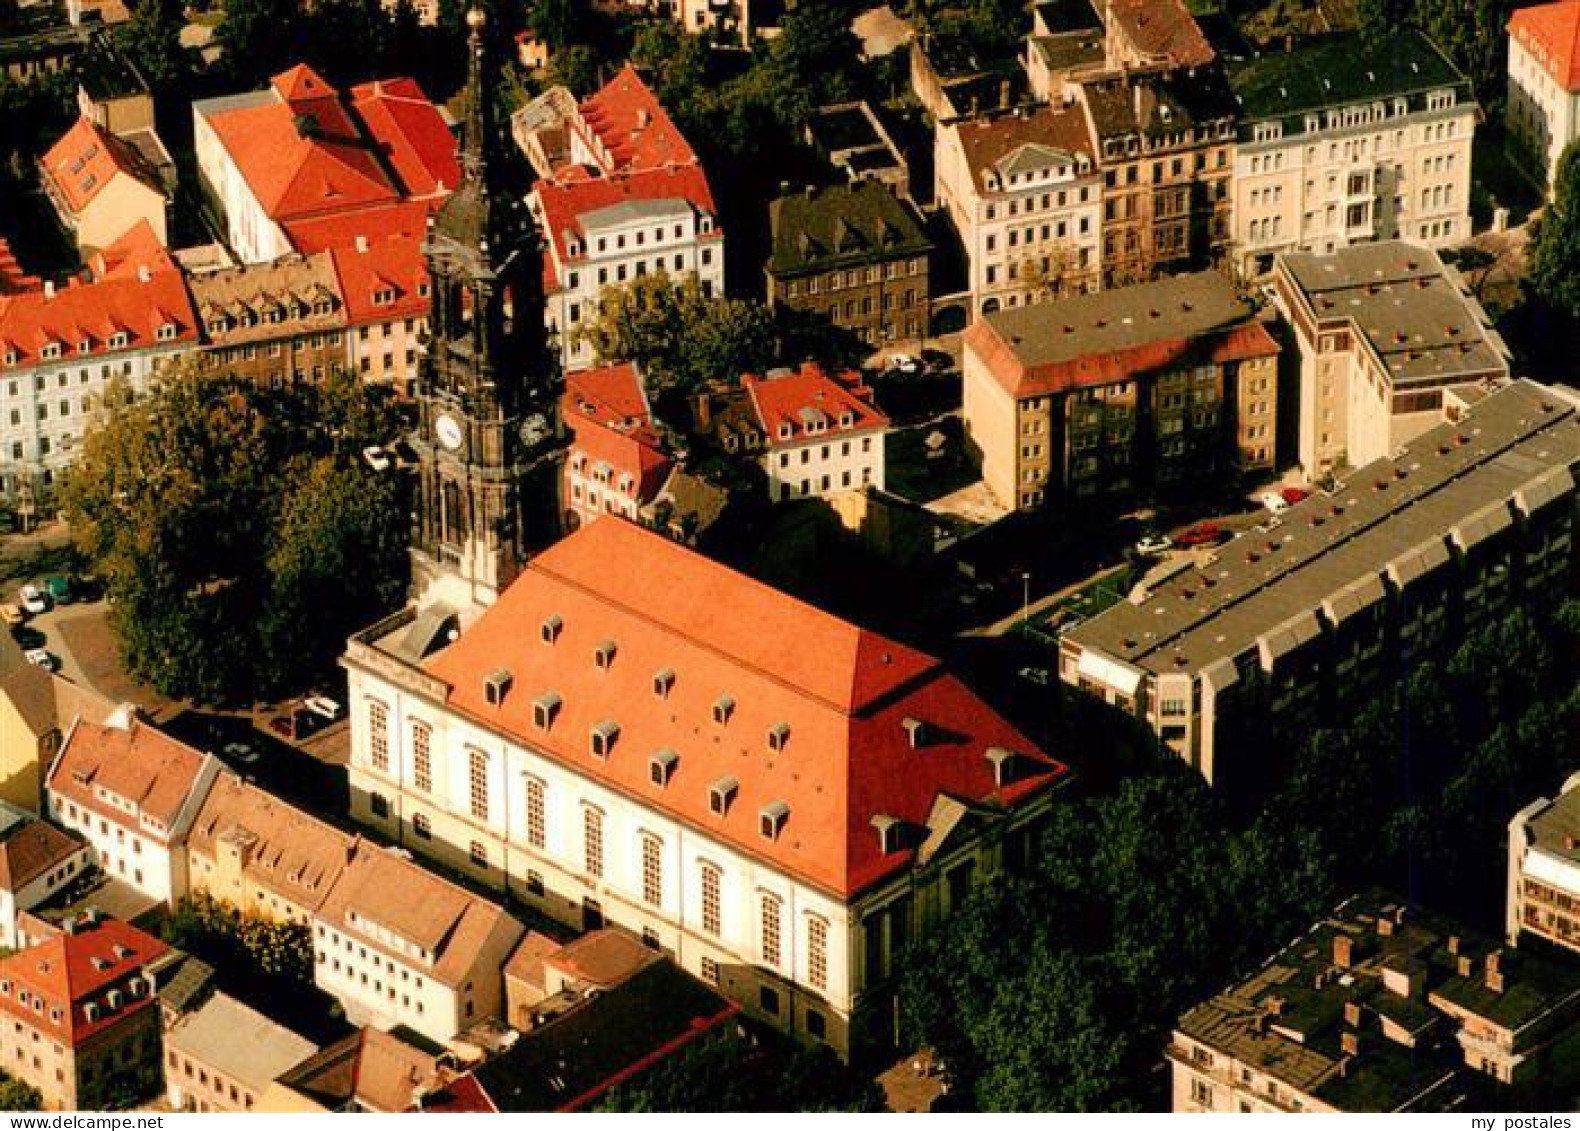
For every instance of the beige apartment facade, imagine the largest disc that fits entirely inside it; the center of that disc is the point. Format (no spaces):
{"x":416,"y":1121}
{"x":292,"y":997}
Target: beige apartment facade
{"x":1543,"y":114}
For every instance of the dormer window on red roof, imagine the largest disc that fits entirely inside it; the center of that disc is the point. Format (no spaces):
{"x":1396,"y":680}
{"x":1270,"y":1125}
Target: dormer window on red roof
{"x":771,"y":821}
{"x":604,"y":736}
{"x":778,"y":737}
{"x":721,"y":794}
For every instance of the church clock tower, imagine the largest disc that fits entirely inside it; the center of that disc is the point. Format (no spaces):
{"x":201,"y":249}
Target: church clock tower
{"x":488,"y":439}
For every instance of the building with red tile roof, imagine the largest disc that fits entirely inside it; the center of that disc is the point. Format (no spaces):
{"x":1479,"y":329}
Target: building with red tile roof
{"x":134,"y":792}
{"x":60,"y":346}
{"x":36,"y":861}
{"x":101,"y":187}
{"x":301,"y":151}
{"x":1153,"y":33}
{"x":81,"y":1017}
{"x":620,"y":194}
{"x":1053,"y":393}
{"x":617,"y":461}
{"x":821,"y":434}
{"x":1544,"y":85}
{"x":384,"y":281}
{"x":636,"y":733}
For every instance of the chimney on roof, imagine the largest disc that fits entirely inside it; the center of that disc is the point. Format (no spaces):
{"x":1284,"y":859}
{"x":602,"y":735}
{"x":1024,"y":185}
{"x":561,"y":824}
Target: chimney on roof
{"x":702,"y":409}
{"x":643,"y":119}
{"x":143,"y":274}
{"x":1453,"y":944}
{"x":1494,"y":972}
{"x":1352,"y":1014}
{"x":1343,"y":951}
{"x":1384,"y":926}
{"x":362,"y":244}
{"x":809,"y":191}
{"x":1003,"y":94}
{"x":1350,"y":1042}
{"x":49,"y":288}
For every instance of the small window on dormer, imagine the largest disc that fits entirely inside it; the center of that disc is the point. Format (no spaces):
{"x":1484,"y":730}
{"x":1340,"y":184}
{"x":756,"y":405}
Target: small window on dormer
{"x":604,"y":736}
{"x":167,"y":332}
{"x":544,"y":709}
{"x":846,"y":419}
{"x":10,"y":357}
{"x":84,"y":345}
{"x":1003,"y":763}
{"x":786,"y":430}
{"x":721,"y":794}
{"x":551,"y":628}
{"x":662,"y":766}
{"x":888,"y":832}
{"x":771,"y":821}
{"x":730,"y":443}
{"x":663,"y":680}
{"x":496,"y":685}
{"x":603,"y":655}
{"x":50,"y":351}
{"x":778,"y":736}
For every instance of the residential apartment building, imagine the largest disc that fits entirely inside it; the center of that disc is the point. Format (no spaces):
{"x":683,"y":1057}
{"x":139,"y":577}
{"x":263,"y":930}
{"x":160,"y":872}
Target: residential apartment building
{"x":133,"y":792}
{"x":1313,"y":613}
{"x":1380,"y":1007}
{"x":262,"y":855}
{"x":279,"y":164}
{"x":608,"y":748}
{"x":1544,"y":869}
{"x":62,"y":347}
{"x":37,"y":708}
{"x":370,"y":1071}
{"x":277,"y":323}
{"x":223,"y":1056}
{"x":617,"y":462}
{"x":620,"y":194}
{"x":36,"y":861}
{"x":80,"y":1018}
{"x":856,"y":253}
{"x":1390,"y":338}
{"x":821,"y":435}
{"x":1150,"y":33}
{"x":101,"y":187}
{"x":1349,"y":139}
{"x":1025,"y":193}
{"x":1543,"y":113}
{"x":1149,"y":385}
{"x":397,"y":945}
{"x":384,"y":281}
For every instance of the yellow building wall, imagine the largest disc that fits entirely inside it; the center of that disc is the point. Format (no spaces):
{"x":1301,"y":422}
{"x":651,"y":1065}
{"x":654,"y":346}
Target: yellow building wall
{"x":22,"y":757}
{"x":116,"y":210}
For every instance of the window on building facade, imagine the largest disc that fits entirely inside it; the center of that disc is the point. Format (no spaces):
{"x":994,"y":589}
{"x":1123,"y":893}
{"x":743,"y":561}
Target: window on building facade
{"x":592,"y":841}
{"x":378,"y":735}
{"x":711,"y":917}
{"x":817,"y":953}
{"x":537,"y":832}
{"x":477,"y":772}
{"x":770,"y":930}
{"x":422,"y":756}
{"x":652,"y":871}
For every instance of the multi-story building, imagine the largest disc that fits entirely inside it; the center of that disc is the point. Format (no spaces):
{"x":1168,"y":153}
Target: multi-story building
{"x":399,"y":946}
{"x":62,"y":347}
{"x":1151,"y":384}
{"x":101,"y":187}
{"x":262,"y":855}
{"x":1138,"y":34}
{"x":277,"y":323}
{"x":777,"y":798}
{"x":80,"y":1017}
{"x":300,"y":154}
{"x":223,"y":1056}
{"x":1164,"y":141}
{"x":820,"y":434}
{"x":620,"y":194}
{"x":1543,"y":114}
{"x":1380,"y":1007}
{"x":1349,"y":139}
{"x":37,"y":708}
{"x":1388,"y":337}
{"x":371,"y":1071}
{"x":36,"y":861}
{"x":133,"y":792}
{"x":1544,"y":869}
{"x":617,"y":461}
{"x":854,"y":252}
{"x":384,"y":281}
{"x":1026,"y":196}
{"x":1315,"y":612}
{"x":851,"y":139}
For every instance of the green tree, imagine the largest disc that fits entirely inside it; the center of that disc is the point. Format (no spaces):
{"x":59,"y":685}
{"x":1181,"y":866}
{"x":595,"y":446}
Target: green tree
{"x":17,"y":1095}
{"x":259,"y":38}
{"x":152,"y":40}
{"x":579,"y":68}
{"x":554,"y":22}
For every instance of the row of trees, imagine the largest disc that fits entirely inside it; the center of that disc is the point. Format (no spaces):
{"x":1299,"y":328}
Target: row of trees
{"x":1472,"y":33}
{"x":1056,"y":989}
{"x":239,"y":534}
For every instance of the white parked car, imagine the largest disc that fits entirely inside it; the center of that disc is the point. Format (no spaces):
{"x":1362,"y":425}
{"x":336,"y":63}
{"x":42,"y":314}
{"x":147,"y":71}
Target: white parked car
{"x":33,"y":599}
{"x":323,"y":705}
{"x":1154,"y":544}
{"x":377,"y":458}
{"x":1040,"y":676}
{"x":42,"y":658}
{"x":906,"y":364}
{"x":1274,"y":502}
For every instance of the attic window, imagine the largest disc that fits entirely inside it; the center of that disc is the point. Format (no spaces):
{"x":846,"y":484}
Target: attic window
{"x":1003,"y":763}
{"x":721,"y":793}
{"x":10,"y":357}
{"x":496,"y":685}
{"x":723,"y":708}
{"x":383,"y":296}
{"x":603,"y":655}
{"x":167,"y":331}
{"x":663,"y":680}
{"x":551,"y":627}
{"x":778,"y":735}
{"x":888,"y":832}
{"x":544,"y":708}
{"x":771,"y":821}
{"x":786,"y":430}
{"x":603,"y":738}
{"x":84,"y":345}
{"x":846,"y":420}
{"x":662,"y":766}
{"x":915,"y":732}
{"x":50,"y":351}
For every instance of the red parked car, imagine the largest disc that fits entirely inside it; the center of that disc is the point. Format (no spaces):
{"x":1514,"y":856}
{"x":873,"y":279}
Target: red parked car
{"x":1293,"y":495}
{"x":1202,"y":534}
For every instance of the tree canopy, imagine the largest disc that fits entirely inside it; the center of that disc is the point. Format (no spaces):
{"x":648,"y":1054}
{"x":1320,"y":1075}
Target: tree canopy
{"x":1554,"y":271}
{"x":237,"y":530}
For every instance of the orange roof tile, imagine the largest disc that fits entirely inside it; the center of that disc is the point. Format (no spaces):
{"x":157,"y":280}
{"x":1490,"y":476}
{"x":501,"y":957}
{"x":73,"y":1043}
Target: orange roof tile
{"x":140,"y":764}
{"x":68,"y":972}
{"x":392,"y":268}
{"x":565,"y":200}
{"x":1551,"y":32}
{"x":86,"y":159}
{"x":609,"y":394}
{"x":414,"y":138}
{"x":843,"y":693}
{"x":633,"y":125}
{"x":793,"y":400}
{"x":1163,"y":29}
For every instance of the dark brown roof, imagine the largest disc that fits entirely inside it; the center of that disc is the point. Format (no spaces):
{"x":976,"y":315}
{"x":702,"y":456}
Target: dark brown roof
{"x":31,"y":848}
{"x":860,"y":222}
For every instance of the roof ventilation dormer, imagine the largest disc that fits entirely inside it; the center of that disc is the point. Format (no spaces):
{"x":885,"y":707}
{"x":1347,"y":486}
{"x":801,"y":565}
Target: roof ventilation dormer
{"x":604,"y":736}
{"x":889,"y":832}
{"x":778,"y":736}
{"x":603,"y":654}
{"x":496,"y":685}
{"x":721,"y":794}
{"x":1003,"y":763}
{"x":771,"y":820}
{"x":552,"y":624}
{"x":663,"y":680}
{"x":915,"y":732}
{"x":723,"y":708}
{"x":545,"y":708}
{"x":661,"y":767}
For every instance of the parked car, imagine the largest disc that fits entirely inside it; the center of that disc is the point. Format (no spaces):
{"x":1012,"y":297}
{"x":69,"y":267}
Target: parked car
{"x":33,"y":599}
{"x":905,"y":363}
{"x":1040,"y":676}
{"x":27,"y":637}
{"x":42,"y":658}
{"x":60,"y":590}
{"x":1293,"y":495}
{"x":11,"y":613}
{"x":297,"y":725}
{"x":377,"y":458}
{"x":240,"y":752}
{"x":1274,"y":502}
{"x":325,"y":706}
{"x":1203,"y":534}
{"x":1153,"y":544}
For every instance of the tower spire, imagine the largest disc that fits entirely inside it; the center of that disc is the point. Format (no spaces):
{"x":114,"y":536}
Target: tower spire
{"x":479,"y":103}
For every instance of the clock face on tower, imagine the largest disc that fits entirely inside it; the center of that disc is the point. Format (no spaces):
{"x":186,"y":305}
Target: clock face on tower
{"x":447,"y":431}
